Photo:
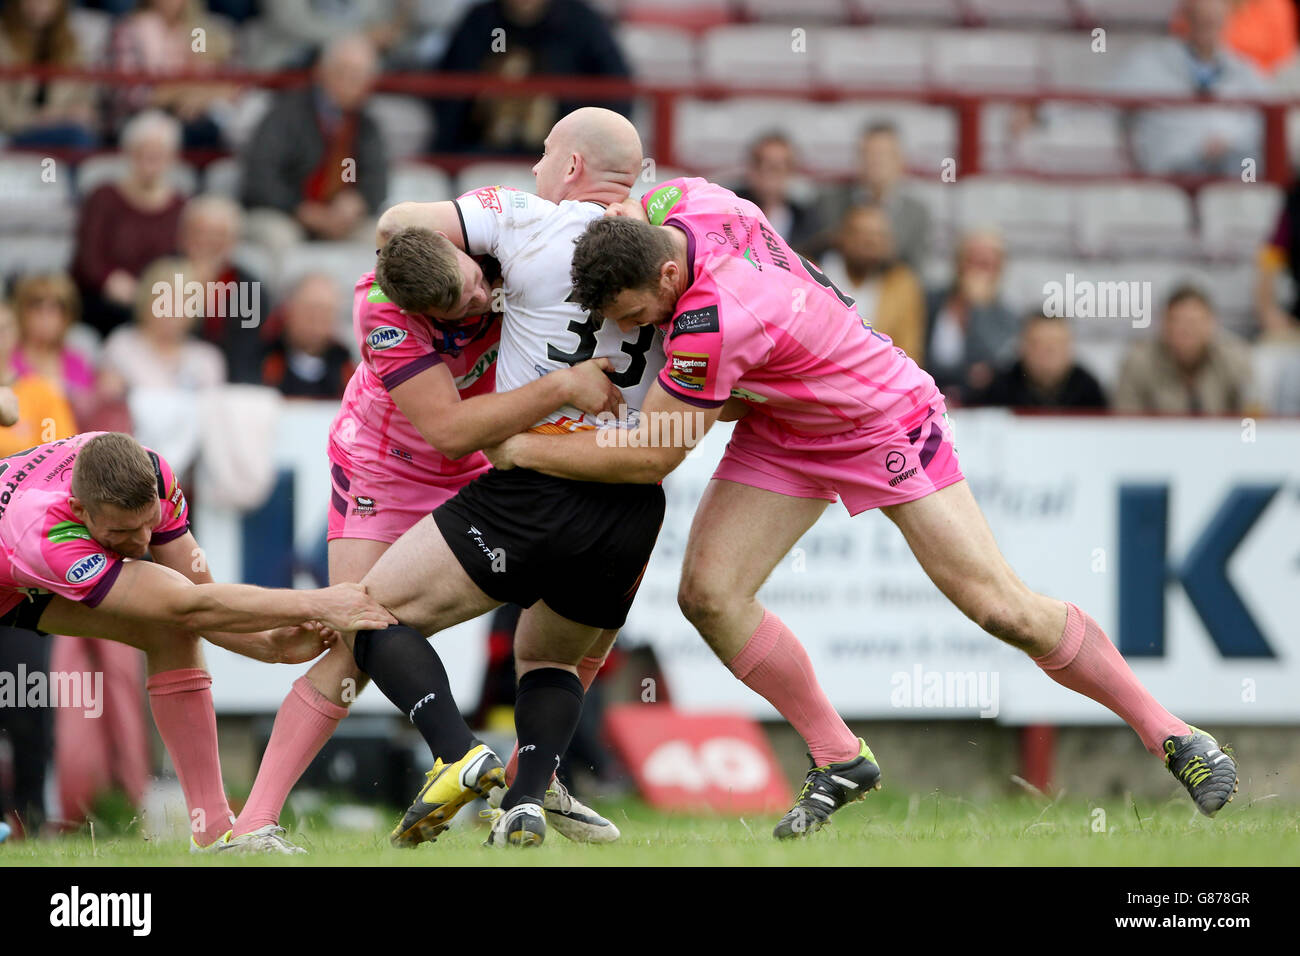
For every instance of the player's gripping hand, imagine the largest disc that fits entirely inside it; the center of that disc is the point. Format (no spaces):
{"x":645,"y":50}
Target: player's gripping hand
{"x":502,"y":456}
{"x":589,"y":388}
{"x":347,"y":607}
{"x":299,"y":644}
{"x":631,"y":208}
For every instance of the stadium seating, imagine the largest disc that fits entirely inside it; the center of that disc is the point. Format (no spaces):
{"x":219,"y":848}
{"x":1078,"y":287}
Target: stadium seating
{"x":1133,"y":218}
{"x":1056,"y":13}
{"x":946,"y":46}
{"x":1071,"y":65}
{"x":1236,"y":217}
{"x":879,"y":58}
{"x":419,"y":182}
{"x":30,"y":204}
{"x":754,"y":55}
{"x":933,"y":11}
{"x":344,"y":261}
{"x":1033,"y":216}
{"x":802,"y":13}
{"x":405,"y":122}
{"x":660,"y":54}
{"x":993,"y":60}
{"x":690,"y":14}
{"x":1060,"y":138}
{"x":35,"y":253}
{"x":1151,"y":14}
{"x":515,"y":175}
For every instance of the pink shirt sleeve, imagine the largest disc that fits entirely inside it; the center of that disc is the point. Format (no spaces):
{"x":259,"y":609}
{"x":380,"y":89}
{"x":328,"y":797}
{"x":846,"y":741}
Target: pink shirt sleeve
{"x":175,"y":509}
{"x":710,"y":344}
{"x":395,"y":345}
{"x":62,"y":557}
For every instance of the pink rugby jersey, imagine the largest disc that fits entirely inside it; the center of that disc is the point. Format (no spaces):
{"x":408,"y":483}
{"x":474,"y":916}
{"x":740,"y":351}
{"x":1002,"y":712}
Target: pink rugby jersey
{"x":43,"y":547}
{"x":760,"y":323}
{"x":370,"y":431}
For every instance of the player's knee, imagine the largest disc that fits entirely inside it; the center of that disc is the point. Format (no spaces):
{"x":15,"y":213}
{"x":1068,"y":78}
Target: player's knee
{"x":704,"y":605}
{"x":1007,"y":621}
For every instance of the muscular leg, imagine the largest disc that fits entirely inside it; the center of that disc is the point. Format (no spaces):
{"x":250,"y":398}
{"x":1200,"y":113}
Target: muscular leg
{"x":738,"y":536}
{"x":587,"y":669}
{"x":316,"y":703}
{"x":422,"y":583}
{"x":548,"y":651}
{"x":952,"y":541}
{"x":180,"y":695}
{"x":545,"y":639}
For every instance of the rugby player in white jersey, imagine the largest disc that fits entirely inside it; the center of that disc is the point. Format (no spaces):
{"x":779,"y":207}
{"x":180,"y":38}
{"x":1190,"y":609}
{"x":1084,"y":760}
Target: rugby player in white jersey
{"x":572,"y":553}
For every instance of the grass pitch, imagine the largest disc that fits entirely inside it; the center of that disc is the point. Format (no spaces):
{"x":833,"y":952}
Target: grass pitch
{"x":886,"y":829}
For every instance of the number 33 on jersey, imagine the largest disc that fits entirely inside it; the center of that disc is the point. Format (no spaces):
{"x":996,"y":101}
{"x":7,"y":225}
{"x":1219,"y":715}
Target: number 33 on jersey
{"x":541,"y":331}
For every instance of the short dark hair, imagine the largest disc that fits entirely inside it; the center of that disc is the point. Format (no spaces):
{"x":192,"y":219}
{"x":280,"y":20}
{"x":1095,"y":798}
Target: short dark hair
{"x":1188,"y":291}
{"x":613,"y":254}
{"x":418,"y":272}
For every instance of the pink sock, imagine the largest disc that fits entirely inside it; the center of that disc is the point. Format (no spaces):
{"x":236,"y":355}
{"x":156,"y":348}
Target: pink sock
{"x":774,"y":664}
{"x":1088,"y":663}
{"x":181,"y":701}
{"x":305,"y":721}
{"x":588,"y":668}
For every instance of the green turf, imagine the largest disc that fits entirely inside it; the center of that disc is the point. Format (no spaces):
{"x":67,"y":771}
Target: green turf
{"x":885,"y":830}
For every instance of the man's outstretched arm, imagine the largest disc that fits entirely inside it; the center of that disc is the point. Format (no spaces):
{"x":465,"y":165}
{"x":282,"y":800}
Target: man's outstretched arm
{"x":294,"y":644}
{"x":152,"y":592}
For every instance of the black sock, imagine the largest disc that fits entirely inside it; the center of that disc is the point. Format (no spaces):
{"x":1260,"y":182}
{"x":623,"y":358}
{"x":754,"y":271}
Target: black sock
{"x":547,"y":707}
{"x":404,"y":665}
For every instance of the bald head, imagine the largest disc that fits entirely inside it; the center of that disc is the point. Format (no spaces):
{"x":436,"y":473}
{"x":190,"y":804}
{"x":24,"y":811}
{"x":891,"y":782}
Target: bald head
{"x":591,"y":154}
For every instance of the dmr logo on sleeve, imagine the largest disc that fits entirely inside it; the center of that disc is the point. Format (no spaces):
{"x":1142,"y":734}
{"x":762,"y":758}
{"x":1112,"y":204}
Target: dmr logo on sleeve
{"x":75,"y":909}
{"x":385,"y":337}
{"x":91,"y":566}
{"x":690,"y":370}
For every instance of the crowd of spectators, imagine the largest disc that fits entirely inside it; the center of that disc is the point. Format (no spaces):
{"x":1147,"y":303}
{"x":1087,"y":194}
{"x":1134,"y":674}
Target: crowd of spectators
{"x":315,"y":165}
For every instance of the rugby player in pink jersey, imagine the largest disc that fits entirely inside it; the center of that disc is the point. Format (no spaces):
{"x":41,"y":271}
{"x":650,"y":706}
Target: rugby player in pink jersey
{"x":75,"y":515}
{"x":836,"y":411}
{"x":414,"y":416}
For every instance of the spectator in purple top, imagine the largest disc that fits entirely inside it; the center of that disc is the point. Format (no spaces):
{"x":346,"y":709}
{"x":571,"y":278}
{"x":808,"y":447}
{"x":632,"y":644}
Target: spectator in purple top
{"x":126,"y":225}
